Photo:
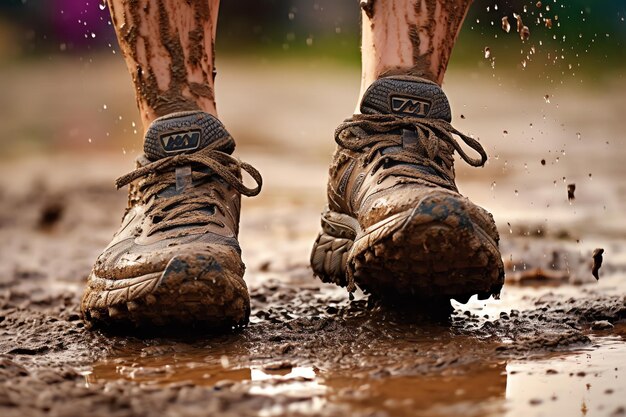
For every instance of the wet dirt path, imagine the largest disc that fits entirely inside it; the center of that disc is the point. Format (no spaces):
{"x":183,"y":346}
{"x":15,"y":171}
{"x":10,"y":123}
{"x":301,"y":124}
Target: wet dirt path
{"x":554,"y":344}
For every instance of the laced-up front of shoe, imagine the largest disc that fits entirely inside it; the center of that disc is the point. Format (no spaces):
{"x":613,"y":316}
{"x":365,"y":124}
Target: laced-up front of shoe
{"x":408,"y":147}
{"x":188,"y":189}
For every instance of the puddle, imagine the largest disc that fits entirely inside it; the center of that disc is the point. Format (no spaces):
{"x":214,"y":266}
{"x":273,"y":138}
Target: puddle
{"x":582,"y":382}
{"x":587,"y":383}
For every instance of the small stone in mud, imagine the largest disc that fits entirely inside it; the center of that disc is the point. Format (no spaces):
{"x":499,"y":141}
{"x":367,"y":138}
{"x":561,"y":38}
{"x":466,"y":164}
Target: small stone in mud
{"x":278,"y":366}
{"x":51,"y":213}
{"x":602,"y":325}
{"x":225,"y":383}
{"x":597,"y":262}
{"x":265,"y":266}
{"x":12,"y":369}
{"x":619,"y":411}
{"x":571,"y":189}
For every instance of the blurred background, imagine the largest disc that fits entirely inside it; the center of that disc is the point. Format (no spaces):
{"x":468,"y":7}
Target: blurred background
{"x":549,"y":110}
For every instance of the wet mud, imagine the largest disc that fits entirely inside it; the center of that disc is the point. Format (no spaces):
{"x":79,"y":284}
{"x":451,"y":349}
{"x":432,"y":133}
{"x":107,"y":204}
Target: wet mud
{"x":545,"y":348}
{"x":167,"y":76}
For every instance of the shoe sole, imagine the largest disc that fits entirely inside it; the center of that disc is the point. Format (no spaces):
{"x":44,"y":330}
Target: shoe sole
{"x":192,"y":291}
{"x":415,"y":254}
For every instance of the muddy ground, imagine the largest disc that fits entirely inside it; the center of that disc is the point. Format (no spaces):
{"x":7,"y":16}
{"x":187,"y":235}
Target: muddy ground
{"x":308,"y":348}
{"x":553,"y":345}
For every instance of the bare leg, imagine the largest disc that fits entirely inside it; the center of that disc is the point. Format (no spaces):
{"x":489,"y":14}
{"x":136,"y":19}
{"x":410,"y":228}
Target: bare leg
{"x":169,"y":50}
{"x":409,"y":37}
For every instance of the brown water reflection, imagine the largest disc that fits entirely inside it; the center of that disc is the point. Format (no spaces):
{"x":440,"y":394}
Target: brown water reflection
{"x":584,"y":382}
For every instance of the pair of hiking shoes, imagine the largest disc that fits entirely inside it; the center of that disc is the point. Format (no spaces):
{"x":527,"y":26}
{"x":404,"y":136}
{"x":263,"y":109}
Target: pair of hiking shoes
{"x":395,"y":224}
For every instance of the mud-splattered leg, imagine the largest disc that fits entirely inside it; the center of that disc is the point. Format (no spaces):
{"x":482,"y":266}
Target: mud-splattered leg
{"x":168,"y":47}
{"x":409,"y":37}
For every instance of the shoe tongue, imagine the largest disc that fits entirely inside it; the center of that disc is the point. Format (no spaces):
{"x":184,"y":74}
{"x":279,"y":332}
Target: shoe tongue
{"x":406,"y":96}
{"x":184,"y":132}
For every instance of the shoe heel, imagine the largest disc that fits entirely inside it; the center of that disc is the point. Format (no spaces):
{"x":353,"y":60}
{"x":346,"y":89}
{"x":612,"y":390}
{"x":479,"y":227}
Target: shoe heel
{"x":329,"y":256}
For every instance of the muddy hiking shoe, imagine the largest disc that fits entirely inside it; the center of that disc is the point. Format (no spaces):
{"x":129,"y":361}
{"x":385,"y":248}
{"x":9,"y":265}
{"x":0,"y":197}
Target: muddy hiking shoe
{"x":395,"y":224}
{"x":175,"y":260}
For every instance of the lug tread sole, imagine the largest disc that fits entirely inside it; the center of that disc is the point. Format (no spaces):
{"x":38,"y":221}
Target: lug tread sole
{"x":413,"y":256}
{"x":192,"y":291}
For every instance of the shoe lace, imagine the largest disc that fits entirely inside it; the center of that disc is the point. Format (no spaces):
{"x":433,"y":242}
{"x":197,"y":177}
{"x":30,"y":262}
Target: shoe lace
{"x":423,"y":142}
{"x":189,"y":205}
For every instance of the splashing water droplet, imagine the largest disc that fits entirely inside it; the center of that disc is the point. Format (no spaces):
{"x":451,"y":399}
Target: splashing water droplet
{"x":487,"y":52}
{"x":524,"y":33}
{"x":520,"y":23}
{"x":506,"y":26}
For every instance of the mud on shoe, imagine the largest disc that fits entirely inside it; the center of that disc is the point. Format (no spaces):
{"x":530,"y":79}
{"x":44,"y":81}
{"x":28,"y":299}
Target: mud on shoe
{"x":395,"y":224}
{"x":175,"y":260}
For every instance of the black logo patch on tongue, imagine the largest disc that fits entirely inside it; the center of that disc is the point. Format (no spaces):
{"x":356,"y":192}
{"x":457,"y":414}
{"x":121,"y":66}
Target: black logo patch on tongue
{"x":180,"y":141}
{"x":185,"y":132}
{"x":406,"y":96}
{"x":412,"y":106}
